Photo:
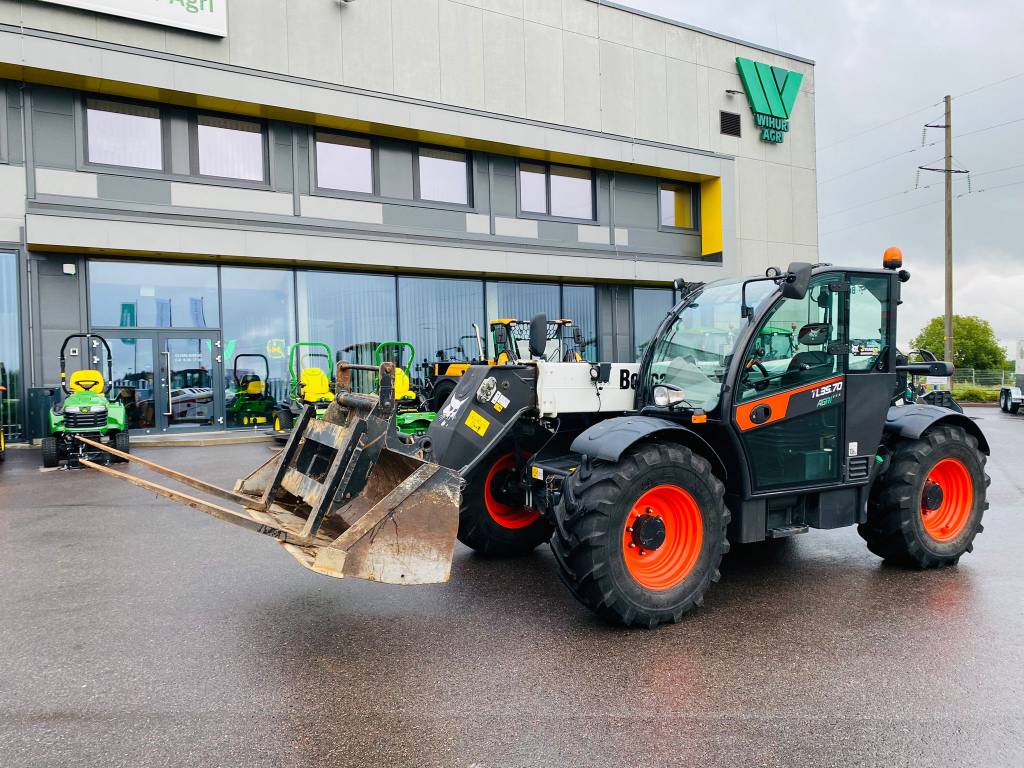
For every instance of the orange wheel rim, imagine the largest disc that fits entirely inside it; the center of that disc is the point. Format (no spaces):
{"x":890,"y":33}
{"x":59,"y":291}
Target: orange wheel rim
{"x":662,"y":537}
{"x":504,"y":513}
{"x":947,"y":500}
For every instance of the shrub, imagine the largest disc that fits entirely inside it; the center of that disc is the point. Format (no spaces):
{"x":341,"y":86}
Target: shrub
{"x":968,"y":393}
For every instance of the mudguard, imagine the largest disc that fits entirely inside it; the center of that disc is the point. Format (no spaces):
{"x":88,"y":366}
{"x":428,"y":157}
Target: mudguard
{"x":608,"y":440}
{"x":912,"y":421}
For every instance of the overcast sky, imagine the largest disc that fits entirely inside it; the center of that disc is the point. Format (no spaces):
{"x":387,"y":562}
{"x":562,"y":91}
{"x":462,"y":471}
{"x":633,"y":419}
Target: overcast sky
{"x":880,"y":60}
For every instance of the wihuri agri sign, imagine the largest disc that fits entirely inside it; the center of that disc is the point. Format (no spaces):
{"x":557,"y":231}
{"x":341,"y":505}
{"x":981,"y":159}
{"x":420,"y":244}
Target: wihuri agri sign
{"x":772,"y":92}
{"x":207,"y":16}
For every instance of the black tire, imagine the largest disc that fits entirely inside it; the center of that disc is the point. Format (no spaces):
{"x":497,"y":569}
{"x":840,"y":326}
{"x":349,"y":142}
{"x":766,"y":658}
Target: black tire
{"x":123,"y":444}
{"x":1012,"y":406}
{"x":588,"y":541}
{"x":440,"y":394}
{"x":51,"y":452}
{"x":480,"y":516}
{"x":896,"y":529}
{"x":1003,"y":397}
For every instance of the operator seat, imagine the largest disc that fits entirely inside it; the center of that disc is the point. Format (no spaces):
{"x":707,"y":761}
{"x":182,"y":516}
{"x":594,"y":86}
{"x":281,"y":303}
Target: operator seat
{"x":315,"y":386}
{"x":807,"y":365}
{"x":251,"y":384}
{"x":86,"y":381}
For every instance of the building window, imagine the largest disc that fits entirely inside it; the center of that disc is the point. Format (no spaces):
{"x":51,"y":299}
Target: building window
{"x":443,"y":176}
{"x":229,"y":148}
{"x":579,"y":304}
{"x":344,"y":163}
{"x":556,"y":190}
{"x":521,"y":301}
{"x":119,"y":133}
{"x":132,"y":295}
{"x":650,"y":305}
{"x":350,"y":313}
{"x":676,"y":206}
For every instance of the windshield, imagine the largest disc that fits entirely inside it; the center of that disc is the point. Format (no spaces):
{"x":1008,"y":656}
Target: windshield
{"x":695,"y":352}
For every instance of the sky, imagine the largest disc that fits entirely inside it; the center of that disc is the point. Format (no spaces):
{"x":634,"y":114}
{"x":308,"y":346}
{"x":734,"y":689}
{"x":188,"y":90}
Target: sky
{"x":890,"y":63}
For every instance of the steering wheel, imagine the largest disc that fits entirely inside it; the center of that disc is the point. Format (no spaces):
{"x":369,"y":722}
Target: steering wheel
{"x":762,"y":384}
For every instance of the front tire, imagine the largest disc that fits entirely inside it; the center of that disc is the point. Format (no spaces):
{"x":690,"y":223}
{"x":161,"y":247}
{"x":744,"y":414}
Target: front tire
{"x":925,"y":511}
{"x":494,"y":519}
{"x":51,"y":452}
{"x":640,"y":540}
{"x":123,"y":444}
{"x":1003,"y":397}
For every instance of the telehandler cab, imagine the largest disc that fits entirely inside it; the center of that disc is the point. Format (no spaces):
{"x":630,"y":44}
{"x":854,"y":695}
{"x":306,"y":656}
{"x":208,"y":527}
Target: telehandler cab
{"x":640,"y":474}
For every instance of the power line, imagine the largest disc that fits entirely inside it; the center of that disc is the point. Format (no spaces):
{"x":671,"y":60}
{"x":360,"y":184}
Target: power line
{"x":876,"y":127}
{"x":919,"y":207}
{"x":990,"y":127}
{"x":989,"y":85}
{"x":876,"y":162}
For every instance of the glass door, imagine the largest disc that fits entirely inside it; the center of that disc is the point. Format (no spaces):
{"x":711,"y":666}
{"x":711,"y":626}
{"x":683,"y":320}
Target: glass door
{"x":190,"y":391}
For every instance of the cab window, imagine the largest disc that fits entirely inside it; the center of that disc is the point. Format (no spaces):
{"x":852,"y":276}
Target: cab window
{"x":791,"y":347}
{"x":869,"y":321}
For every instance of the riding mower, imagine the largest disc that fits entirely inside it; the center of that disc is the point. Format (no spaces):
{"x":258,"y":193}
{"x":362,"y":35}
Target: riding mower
{"x":86,"y":410}
{"x":641,"y":475}
{"x":251,"y":403}
{"x":307,"y":385}
{"x":509,"y":337}
{"x":412,"y":416}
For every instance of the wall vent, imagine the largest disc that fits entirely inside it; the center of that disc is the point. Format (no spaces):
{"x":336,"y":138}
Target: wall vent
{"x":730,"y":123}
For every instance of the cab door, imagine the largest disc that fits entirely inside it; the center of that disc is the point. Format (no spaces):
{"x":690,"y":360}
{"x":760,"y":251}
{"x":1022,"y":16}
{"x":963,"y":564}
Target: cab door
{"x":789,"y":400}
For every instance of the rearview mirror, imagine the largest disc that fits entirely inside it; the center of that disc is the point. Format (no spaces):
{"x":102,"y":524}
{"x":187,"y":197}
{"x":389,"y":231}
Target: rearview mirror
{"x":814,"y":334}
{"x":577,"y":336}
{"x":796,"y":280}
{"x":538,"y":335}
{"x":501,"y":335}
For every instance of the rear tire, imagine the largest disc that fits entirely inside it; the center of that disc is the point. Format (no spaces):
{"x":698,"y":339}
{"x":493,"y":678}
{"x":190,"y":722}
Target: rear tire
{"x":1003,"y":397}
{"x":596,"y":541}
{"x":123,"y":444}
{"x":925,"y":511}
{"x":51,"y":452}
{"x":493,"y":519}
{"x":1012,"y":406}
{"x":440,"y":394}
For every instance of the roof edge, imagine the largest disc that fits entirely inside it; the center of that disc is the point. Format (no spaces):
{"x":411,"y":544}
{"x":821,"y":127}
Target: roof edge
{"x":701,"y":30}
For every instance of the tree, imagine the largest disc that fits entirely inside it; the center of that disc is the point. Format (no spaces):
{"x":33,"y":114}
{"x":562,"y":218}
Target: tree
{"x":974,"y":343}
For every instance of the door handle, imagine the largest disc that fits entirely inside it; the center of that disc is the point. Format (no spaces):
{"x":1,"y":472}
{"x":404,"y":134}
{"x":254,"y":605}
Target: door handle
{"x":167,"y":359}
{"x":761,"y":414}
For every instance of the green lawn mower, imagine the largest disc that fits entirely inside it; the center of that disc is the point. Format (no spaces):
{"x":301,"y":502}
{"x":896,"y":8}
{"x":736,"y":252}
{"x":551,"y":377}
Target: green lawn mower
{"x":251,"y":404}
{"x":307,"y":385}
{"x":413,"y":416}
{"x":86,"y":409}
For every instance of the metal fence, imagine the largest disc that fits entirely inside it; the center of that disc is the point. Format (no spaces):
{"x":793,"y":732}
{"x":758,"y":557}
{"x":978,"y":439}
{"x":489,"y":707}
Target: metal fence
{"x":982,"y":378}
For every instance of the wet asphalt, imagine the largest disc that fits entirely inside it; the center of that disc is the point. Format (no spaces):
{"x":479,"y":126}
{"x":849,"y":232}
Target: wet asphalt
{"x":134,"y":632}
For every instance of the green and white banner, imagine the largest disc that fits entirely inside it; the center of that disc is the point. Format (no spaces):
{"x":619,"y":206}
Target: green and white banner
{"x":207,"y":16}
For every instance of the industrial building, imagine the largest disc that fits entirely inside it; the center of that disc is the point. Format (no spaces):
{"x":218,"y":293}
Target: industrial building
{"x":199,"y":179}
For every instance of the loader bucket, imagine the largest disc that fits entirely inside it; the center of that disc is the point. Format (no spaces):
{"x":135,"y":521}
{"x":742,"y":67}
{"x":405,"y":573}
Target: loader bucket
{"x":348,"y":495}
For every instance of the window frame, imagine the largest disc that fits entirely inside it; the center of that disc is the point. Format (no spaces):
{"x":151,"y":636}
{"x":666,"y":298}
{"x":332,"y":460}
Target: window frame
{"x":346,"y":194}
{"x":694,"y":197}
{"x":5,"y":150}
{"x":165,"y":137}
{"x":469,"y":205}
{"x":193,"y":149}
{"x":548,"y":216}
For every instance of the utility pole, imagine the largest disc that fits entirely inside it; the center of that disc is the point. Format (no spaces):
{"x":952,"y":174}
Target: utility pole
{"x":948,"y":328}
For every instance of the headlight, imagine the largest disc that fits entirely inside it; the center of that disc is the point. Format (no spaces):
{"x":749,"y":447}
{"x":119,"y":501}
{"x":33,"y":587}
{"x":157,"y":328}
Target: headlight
{"x":487,"y":389}
{"x":73,"y":409}
{"x":666,"y":397}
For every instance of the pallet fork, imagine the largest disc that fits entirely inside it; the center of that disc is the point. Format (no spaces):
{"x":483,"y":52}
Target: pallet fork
{"x":347,"y":496}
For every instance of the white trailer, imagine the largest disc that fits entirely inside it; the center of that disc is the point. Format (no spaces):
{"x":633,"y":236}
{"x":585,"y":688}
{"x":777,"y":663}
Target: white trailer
{"x":1012,"y":398}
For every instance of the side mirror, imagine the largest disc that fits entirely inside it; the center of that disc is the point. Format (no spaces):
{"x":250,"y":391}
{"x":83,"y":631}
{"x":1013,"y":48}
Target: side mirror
{"x":814,"y":334}
{"x":796,"y":280}
{"x":577,"y":336}
{"x":538,"y":335}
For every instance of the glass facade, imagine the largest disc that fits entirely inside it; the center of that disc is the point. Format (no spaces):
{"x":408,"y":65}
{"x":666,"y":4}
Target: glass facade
{"x":259,"y":319}
{"x":650,"y":305}
{"x":245,"y":315}
{"x":11,"y":407}
{"x":133,"y":295}
{"x":436,"y":315}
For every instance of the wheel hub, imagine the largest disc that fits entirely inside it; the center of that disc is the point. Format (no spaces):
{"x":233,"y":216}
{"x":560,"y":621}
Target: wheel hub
{"x":648,"y":532}
{"x":933,"y":497}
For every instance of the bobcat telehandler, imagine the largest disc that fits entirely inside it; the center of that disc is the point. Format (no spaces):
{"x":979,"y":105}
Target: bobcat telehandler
{"x":641,"y":475}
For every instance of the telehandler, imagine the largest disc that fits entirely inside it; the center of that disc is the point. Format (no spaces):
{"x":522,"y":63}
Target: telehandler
{"x":641,"y":475}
